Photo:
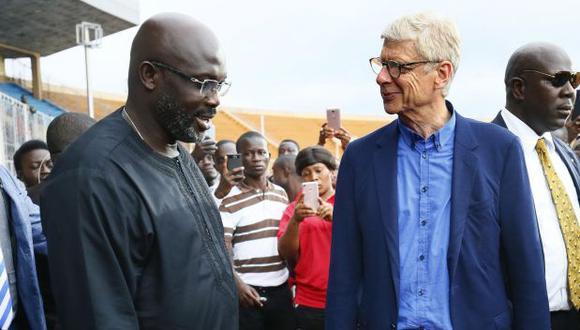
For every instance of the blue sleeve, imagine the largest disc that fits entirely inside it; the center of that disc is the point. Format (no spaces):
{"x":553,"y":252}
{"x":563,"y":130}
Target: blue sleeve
{"x":346,"y":253}
{"x":521,"y":245}
{"x":38,"y":237}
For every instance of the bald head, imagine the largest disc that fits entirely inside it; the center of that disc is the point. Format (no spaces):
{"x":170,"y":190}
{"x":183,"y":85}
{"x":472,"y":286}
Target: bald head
{"x":532,"y":92}
{"x":175,"y":39}
{"x":176,"y":73}
{"x":536,"y":56}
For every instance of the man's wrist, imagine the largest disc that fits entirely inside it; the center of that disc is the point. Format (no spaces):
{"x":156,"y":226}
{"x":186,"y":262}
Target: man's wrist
{"x":222,"y":190}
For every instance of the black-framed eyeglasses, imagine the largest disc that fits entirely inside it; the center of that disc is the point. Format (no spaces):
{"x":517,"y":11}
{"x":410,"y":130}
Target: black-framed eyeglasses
{"x":207,"y":87}
{"x":560,"y":78}
{"x":394,"y":68}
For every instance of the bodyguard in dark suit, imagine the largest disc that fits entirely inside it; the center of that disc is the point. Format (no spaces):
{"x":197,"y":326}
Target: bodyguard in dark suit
{"x":433,"y":223}
{"x":540,"y":96}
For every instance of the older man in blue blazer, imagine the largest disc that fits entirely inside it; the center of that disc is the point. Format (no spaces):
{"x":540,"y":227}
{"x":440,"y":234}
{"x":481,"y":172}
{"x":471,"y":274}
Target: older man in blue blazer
{"x":434,"y":226}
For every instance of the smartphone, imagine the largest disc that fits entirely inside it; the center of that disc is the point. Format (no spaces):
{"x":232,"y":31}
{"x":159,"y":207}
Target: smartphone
{"x":333,"y":118}
{"x":310,"y":191}
{"x":234,"y":161}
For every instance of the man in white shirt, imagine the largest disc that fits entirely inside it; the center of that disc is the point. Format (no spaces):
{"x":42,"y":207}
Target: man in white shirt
{"x":540,"y":94}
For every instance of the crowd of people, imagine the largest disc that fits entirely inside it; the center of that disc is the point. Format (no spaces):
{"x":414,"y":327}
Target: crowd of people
{"x":434,"y":221}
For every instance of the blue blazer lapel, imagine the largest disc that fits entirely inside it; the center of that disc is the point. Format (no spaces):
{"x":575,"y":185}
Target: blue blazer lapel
{"x":385,"y":168}
{"x":464,"y":170}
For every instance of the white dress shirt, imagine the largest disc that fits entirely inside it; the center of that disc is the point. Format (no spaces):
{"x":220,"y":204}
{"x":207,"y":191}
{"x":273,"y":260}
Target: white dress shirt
{"x":556,"y":261}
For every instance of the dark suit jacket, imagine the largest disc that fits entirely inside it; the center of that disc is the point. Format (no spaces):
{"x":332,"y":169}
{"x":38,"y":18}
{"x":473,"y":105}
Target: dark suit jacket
{"x":495,"y":263}
{"x":566,"y":154}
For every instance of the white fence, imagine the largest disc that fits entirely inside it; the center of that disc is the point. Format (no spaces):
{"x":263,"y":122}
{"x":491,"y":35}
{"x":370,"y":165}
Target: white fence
{"x":18,"y":125}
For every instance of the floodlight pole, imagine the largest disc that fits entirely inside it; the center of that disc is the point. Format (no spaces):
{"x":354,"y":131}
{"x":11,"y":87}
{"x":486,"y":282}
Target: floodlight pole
{"x":90,"y":106}
{"x":89,"y":35}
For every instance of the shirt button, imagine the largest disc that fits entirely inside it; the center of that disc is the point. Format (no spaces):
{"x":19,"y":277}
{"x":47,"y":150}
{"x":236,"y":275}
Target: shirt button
{"x":424,"y":189}
{"x":421,"y":292}
{"x":421,"y":257}
{"x":424,"y":155}
{"x":423,"y":222}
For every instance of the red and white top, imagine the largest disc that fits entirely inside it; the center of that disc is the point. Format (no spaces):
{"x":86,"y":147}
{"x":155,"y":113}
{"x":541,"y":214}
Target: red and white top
{"x":311,"y":270}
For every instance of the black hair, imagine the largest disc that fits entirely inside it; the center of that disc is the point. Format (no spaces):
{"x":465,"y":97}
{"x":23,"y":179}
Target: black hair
{"x":247,"y":136}
{"x":65,"y":129}
{"x":312,"y":155}
{"x":286,"y":161}
{"x":25,"y":148}
{"x":222,"y":142}
{"x":291,"y":141}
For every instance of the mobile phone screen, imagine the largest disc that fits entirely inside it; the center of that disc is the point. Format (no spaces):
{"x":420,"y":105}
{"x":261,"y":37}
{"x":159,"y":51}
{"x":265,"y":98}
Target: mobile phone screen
{"x":234,"y":161}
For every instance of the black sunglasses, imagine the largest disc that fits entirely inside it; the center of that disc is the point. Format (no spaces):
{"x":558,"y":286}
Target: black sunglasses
{"x":560,"y":78}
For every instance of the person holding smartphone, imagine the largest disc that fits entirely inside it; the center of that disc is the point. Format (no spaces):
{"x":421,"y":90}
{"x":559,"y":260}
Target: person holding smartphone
{"x":305,"y":234}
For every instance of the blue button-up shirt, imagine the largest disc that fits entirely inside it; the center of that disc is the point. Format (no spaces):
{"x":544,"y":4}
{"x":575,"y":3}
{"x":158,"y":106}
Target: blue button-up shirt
{"x":424,"y":177}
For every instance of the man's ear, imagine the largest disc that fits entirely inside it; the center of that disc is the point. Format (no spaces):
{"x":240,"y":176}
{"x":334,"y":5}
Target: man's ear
{"x":148,"y":75}
{"x":517,"y":88}
{"x":444,"y":74}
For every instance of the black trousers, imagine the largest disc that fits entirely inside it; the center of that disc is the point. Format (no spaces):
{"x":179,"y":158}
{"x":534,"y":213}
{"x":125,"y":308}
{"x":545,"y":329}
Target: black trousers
{"x":277,"y":312}
{"x":309,"y":318}
{"x":565,"y":320}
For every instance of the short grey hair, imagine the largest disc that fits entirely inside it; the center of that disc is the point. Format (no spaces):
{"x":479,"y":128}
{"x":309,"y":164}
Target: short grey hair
{"x":436,"y":38}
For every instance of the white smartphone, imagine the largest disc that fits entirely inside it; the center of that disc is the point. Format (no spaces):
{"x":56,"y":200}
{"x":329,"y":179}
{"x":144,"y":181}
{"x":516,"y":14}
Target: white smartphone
{"x":310,"y":191}
{"x":333,"y":119}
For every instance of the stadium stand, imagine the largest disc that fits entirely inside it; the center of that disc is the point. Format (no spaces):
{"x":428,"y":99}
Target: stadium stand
{"x":36,"y":28}
{"x":44,"y":106}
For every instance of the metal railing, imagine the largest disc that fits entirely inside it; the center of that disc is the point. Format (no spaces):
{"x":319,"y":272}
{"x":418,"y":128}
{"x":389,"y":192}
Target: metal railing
{"x":17,"y":125}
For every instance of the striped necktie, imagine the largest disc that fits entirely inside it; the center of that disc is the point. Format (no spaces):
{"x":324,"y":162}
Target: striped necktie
{"x":6,"y":313}
{"x":568,"y":222}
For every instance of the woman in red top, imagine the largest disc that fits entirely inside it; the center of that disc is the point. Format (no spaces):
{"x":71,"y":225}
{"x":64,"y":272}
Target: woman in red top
{"x":305,"y":236}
